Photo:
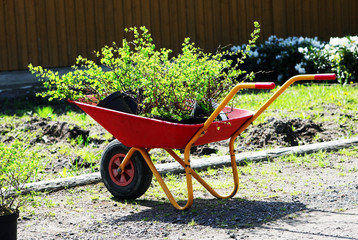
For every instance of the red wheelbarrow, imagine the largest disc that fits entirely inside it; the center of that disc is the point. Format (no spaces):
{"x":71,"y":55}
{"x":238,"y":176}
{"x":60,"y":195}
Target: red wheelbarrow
{"x":126,"y":167}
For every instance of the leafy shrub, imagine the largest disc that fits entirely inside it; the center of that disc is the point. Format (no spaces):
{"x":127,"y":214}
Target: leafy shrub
{"x":17,"y":167}
{"x":162,"y":86}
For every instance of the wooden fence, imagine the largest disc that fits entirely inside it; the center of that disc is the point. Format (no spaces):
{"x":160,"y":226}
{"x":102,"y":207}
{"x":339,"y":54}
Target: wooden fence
{"x":52,"y":33}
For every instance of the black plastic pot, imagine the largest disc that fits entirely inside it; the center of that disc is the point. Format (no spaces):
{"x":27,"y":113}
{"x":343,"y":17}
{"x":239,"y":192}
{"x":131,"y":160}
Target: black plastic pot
{"x":8,"y":226}
{"x":200,"y":114}
{"x":119,"y":102}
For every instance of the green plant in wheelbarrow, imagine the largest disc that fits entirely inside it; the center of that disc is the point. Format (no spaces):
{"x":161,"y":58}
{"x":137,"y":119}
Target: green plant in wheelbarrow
{"x":161,"y":86}
{"x":18,"y":166}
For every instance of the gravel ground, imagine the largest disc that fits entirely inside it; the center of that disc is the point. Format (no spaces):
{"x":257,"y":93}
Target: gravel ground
{"x":306,"y":197}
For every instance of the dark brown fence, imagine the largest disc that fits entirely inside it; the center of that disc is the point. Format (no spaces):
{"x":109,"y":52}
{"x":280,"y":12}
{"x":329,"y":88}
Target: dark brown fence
{"x":52,"y":33}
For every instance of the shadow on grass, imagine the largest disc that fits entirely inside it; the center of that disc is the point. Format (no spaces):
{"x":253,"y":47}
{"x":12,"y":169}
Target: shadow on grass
{"x":227,"y":214}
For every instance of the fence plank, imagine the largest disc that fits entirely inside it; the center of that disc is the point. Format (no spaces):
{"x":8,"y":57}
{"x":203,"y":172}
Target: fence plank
{"x":11,"y":37}
{"x":146,"y":14}
{"x":279,"y":18}
{"x":224,"y":28}
{"x":22,"y":54}
{"x":182,"y":21}
{"x":72,"y":51}
{"x":3,"y":41}
{"x":32,"y":32}
{"x":199,"y":24}
{"x":128,"y":18}
{"x":90,"y":28}
{"x":242,"y":17}
{"x":174,"y":26}
{"x":42,"y":32}
{"x":60,"y":22}
{"x":52,"y":29}
{"x":156,"y":22}
{"x":99,"y":24}
{"x":54,"y":32}
{"x":165,"y":23}
{"x":217,"y":39}
{"x":81,"y":27}
{"x":118,"y":21}
{"x":267,"y":20}
{"x":191,"y":22}
{"x":209,"y":26}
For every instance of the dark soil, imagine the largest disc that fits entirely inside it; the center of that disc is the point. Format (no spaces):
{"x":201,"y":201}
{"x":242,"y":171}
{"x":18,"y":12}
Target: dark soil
{"x":54,"y":131}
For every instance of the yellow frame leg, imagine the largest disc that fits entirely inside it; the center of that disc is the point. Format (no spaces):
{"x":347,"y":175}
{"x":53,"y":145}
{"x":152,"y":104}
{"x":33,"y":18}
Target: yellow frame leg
{"x":188,"y":172}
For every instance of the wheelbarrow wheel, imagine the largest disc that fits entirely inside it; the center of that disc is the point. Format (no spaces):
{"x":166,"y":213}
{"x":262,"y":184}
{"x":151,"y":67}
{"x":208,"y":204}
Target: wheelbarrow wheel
{"x":136,"y":178}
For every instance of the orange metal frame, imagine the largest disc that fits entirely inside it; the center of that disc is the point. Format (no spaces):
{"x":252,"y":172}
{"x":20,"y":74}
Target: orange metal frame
{"x":186,"y":161}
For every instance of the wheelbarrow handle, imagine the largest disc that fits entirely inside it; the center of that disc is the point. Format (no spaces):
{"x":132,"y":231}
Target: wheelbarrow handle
{"x":325,"y":76}
{"x":265,"y":85}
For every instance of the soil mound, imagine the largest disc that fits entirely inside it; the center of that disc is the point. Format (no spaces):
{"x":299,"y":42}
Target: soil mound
{"x":283,"y":132}
{"x":53,"y":131}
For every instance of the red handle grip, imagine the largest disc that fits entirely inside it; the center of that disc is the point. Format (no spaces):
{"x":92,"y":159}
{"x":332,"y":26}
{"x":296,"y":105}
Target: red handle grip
{"x":325,"y":76}
{"x":265,"y":85}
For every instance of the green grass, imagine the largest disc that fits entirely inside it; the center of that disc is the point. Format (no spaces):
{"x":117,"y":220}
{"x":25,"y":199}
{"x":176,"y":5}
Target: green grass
{"x":45,"y":112}
{"x":303,"y":101}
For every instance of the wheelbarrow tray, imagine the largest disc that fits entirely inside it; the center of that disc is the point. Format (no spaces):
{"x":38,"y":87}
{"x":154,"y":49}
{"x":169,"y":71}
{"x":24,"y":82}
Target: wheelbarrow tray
{"x":143,"y":132}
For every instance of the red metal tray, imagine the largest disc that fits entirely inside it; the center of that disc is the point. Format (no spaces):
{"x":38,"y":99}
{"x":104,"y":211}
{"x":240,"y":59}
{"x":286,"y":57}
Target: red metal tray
{"x":143,"y":132}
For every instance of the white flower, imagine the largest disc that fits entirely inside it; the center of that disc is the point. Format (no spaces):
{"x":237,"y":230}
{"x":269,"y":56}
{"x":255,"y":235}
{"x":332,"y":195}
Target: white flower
{"x":255,"y":54}
{"x":300,"y":40}
{"x":334,"y":57}
{"x":279,"y":77}
{"x":235,"y":48}
{"x":339,"y":41}
{"x":353,"y":48}
{"x":300,"y":69}
{"x":327,"y":47}
{"x":354,"y":40}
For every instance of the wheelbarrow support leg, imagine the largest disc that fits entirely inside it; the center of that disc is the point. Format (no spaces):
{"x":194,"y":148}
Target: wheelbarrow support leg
{"x":188,"y":172}
{"x":205,"y":184}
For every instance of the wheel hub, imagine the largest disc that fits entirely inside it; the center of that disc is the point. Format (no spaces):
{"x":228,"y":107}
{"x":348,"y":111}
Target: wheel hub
{"x":119,"y":177}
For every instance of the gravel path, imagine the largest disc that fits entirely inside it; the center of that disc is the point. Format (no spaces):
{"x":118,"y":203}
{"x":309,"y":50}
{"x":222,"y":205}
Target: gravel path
{"x":315,"y":224}
{"x":308,"y":197}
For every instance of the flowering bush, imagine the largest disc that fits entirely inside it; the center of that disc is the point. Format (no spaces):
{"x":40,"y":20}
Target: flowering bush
{"x":340,"y":55}
{"x":276,"y":58}
{"x":280,"y":59}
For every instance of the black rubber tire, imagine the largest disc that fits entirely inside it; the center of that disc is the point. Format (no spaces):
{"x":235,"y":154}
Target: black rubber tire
{"x":139,"y":183}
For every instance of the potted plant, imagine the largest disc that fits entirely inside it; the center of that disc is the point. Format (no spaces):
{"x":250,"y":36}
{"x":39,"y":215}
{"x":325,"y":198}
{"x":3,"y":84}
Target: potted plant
{"x":160,"y":85}
{"x":18,"y":166}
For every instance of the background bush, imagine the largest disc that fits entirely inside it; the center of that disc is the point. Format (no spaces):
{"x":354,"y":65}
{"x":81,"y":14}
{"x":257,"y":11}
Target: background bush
{"x":278,"y":59}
